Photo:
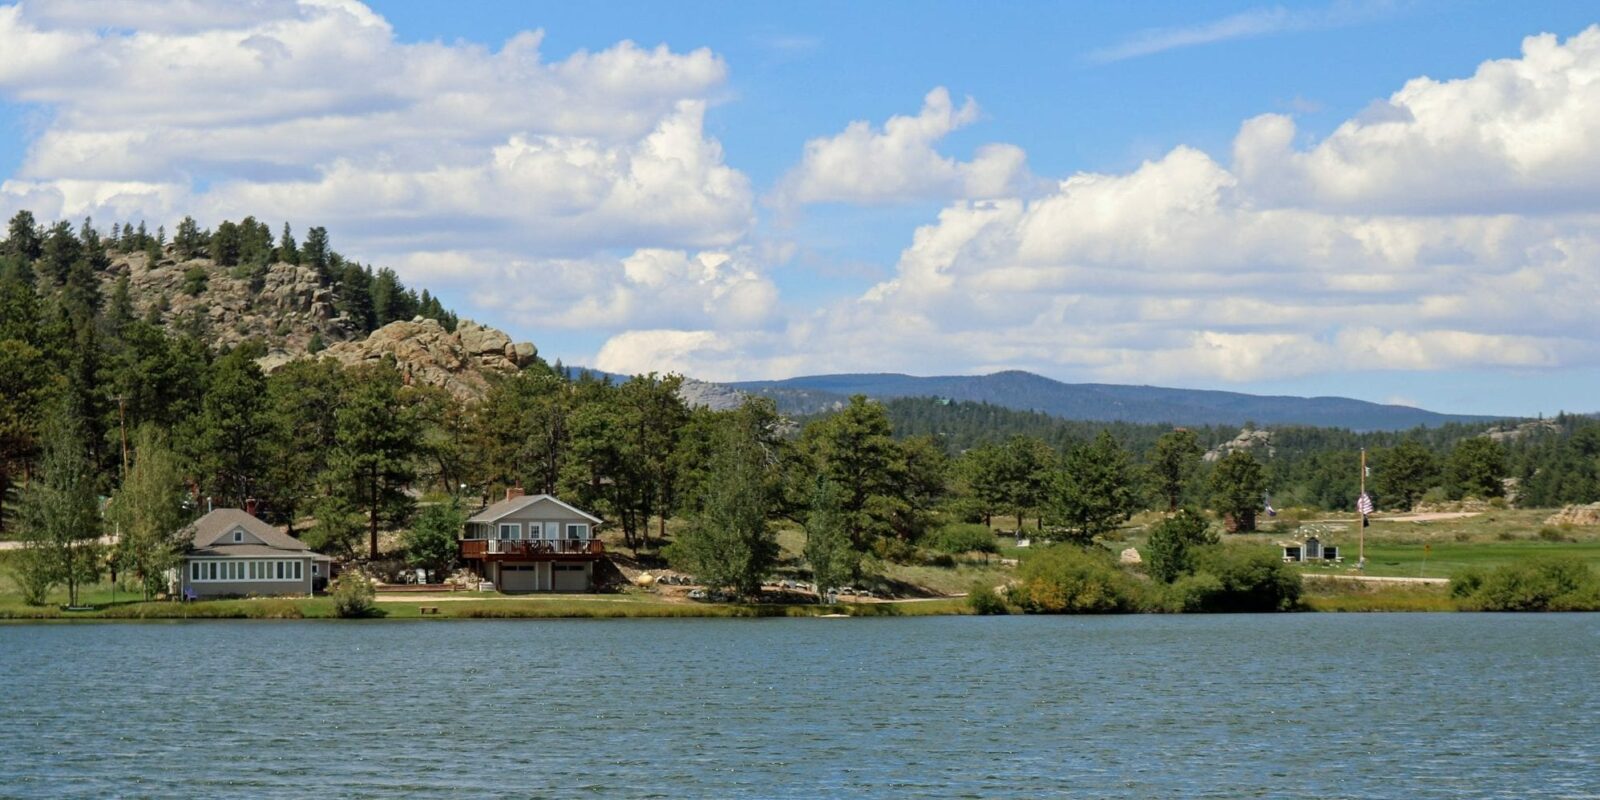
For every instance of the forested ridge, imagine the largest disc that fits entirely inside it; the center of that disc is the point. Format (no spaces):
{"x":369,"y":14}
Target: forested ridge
{"x":105,"y":397}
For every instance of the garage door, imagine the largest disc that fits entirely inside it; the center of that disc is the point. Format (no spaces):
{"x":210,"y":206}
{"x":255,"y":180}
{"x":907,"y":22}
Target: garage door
{"x":518,"y":578}
{"x":571,"y":578}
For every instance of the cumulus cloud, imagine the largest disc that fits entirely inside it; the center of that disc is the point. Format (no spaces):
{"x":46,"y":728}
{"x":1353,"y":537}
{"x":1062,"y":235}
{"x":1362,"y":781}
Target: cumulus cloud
{"x":1515,"y":137}
{"x":315,"y":111}
{"x":1450,"y":226}
{"x":899,"y":162}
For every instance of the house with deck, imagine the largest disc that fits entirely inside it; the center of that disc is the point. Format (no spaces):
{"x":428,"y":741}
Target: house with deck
{"x":232,"y":553}
{"x":533,"y":543}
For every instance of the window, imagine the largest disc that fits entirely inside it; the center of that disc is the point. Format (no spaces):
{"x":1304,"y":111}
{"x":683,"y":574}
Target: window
{"x":238,"y":536}
{"x":194,"y":570}
{"x":577,"y":531}
{"x":510,"y":530}
{"x":255,"y":572}
{"x":297,"y":568}
{"x":211,"y":570}
{"x":279,"y":569}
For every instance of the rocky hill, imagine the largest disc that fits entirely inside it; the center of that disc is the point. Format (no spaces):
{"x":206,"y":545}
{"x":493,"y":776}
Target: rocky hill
{"x":296,"y":315}
{"x":290,"y":308}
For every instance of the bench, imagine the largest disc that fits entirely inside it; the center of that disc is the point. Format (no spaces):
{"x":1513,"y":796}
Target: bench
{"x":426,"y":610}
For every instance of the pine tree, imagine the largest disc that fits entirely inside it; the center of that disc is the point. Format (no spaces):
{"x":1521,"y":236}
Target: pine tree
{"x":728,"y":544}
{"x":233,"y":430}
{"x":1093,"y":492}
{"x":377,"y":439}
{"x":287,"y":251}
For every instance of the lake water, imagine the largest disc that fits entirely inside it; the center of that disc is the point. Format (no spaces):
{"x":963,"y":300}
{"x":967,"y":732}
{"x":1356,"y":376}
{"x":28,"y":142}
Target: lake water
{"x":1310,"y":705}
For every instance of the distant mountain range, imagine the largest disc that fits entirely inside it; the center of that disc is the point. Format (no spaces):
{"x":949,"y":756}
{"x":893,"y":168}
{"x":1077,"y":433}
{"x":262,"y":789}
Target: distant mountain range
{"x":1099,"y":401}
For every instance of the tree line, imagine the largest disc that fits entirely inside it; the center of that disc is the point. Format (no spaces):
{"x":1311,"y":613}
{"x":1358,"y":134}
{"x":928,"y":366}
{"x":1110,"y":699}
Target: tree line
{"x":115,"y":422}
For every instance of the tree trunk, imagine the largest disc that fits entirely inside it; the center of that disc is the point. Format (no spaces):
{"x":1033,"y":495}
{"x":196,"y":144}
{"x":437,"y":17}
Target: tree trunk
{"x":372,"y":517}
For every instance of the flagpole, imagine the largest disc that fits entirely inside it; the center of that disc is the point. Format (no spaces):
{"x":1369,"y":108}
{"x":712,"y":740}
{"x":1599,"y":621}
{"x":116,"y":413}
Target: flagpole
{"x":1361,"y":547}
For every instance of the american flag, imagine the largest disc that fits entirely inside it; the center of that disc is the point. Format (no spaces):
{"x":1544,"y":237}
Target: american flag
{"x":1364,"y":505}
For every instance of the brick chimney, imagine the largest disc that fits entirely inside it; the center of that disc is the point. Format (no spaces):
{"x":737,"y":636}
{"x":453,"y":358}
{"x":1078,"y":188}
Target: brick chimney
{"x":250,"y":506}
{"x":514,"y":492}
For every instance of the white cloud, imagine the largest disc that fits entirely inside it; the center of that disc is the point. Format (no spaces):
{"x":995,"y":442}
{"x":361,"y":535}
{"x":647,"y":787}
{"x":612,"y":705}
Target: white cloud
{"x":898,"y":163}
{"x":1369,"y":251}
{"x":1250,"y":24}
{"x":315,"y":111}
{"x":1515,"y":137}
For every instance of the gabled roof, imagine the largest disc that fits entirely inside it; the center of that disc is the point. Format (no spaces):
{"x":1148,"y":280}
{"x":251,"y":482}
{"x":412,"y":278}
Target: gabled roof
{"x":505,"y":507}
{"x":214,"y":526}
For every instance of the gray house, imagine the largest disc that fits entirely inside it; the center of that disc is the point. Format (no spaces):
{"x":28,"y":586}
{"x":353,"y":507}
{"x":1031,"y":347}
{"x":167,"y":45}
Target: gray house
{"x":533,"y":543}
{"x":231,"y":553}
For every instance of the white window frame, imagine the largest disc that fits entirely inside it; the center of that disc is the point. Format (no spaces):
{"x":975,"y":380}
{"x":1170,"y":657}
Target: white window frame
{"x":299,"y":568}
{"x":238,"y":536}
{"x":514,"y":527}
{"x":580,"y":528}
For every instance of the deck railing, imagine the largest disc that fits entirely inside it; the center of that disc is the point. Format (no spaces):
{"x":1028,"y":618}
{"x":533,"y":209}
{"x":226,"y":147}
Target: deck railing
{"x":479,"y":548}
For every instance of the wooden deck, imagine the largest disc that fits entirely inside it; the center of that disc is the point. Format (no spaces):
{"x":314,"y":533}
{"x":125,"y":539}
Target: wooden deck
{"x":535,"y":550}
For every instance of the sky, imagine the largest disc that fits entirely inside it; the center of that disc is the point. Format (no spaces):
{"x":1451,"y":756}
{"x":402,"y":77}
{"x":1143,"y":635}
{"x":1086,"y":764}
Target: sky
{"x":1394,"y":201}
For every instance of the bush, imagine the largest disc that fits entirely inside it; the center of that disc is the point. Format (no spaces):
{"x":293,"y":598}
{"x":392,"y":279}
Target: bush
{"x":33,"y":575}
{"x":1066,"y":579}
{"x":1190,"y":593}
{"x":957,"y":538}
{"x":1169,"y":550}
{"x":1252,"y":581}
{"x":1551,"y":584}
{"x":1553,"y":534}
{"x":195,"y":280}
{"x":983,"y":599}
{"x":353,"y":596}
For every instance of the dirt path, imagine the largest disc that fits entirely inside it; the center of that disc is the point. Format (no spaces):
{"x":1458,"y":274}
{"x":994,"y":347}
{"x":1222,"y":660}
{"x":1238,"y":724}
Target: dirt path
{"x":1380,"y":579}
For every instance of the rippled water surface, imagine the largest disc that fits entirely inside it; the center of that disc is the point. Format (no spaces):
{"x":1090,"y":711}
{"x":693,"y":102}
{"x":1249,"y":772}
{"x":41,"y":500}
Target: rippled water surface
{"x":1392,"y":706}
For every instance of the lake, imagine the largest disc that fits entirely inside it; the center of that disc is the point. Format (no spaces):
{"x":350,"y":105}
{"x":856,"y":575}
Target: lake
{"x":1307,"y":705}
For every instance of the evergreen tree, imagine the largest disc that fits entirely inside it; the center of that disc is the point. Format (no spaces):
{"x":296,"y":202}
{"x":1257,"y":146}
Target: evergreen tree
{"x":226,"y":244}
{"x":23,"y":240}
{"x":1476,"y":468}
{"x":191,"y":243}
{"x":60,"y":251}
{"x":1403,"y":473}
{"x":1176,"y":457}
{"x":303,"y":399}
{"x":1093,"y":492}
{"x":376,"y":440}
{"x":728,"y":544}
{"x":1169,"y":551}
{"x":234,"y":430}
{"x":27,"y":386}
{"x":1238,"y":485}
{"x":856,"y":450}
{"x":316,"y":253}
{"x":287,"y":251}
{"x":430,"y":542}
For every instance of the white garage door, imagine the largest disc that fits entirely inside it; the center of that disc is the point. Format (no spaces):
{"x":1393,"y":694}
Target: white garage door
{"x":518,"y":578}
{"x":571,"y":578}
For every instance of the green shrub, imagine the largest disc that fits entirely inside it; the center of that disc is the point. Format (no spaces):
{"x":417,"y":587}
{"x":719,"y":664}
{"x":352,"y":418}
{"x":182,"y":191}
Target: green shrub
{"x":1550,"y":584}
{"x":1169,"y":550}
{"x":1251,"y":581}
{"x":195,"y":280}
{"x":983,"y":599}
{"x":1066,"y":579}
{"x":353,"y":596}
{"x":1551,"y":533}
{"x":33,"y":574}
{"x":961,"y":537}
{"x":1190,"y":593}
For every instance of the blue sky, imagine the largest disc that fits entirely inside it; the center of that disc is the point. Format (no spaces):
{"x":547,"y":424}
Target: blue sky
{"x":735,"y":205}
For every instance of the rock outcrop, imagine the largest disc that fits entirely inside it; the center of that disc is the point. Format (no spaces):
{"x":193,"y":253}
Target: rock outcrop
{"x":1576,"y":515}
{"x":286,"y":311}
{"x":430,"y":355}
{"x":1511,"y":433}
{"x":1256,"y":440}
